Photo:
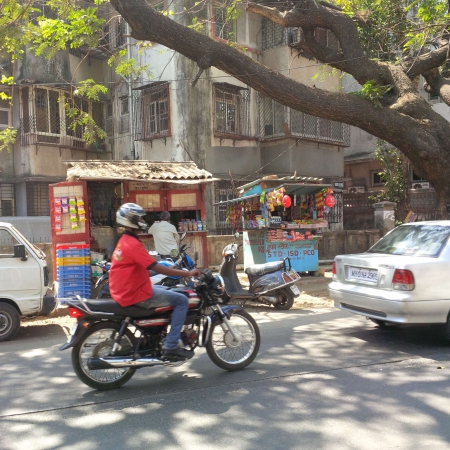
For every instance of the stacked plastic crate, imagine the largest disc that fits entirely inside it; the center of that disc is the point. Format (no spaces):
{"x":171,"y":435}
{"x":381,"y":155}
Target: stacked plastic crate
{"x":73,"y":270}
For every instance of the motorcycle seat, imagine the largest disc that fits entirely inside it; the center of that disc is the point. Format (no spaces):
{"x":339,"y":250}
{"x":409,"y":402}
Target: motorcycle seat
{"x":262,"y":269}
{"x":111,"y":306}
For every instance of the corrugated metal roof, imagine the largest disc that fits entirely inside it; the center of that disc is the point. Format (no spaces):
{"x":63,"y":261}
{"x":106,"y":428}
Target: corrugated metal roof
{"x":172,"y":172}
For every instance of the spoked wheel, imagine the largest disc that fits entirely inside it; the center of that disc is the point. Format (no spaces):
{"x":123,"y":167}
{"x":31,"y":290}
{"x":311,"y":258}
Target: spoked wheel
{"x":231,"y":354}
{"x":285,"y":300}
{"x":98,"y":343}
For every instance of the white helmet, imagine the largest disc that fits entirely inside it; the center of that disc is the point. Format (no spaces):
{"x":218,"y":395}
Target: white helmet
{"x":130,"y":215}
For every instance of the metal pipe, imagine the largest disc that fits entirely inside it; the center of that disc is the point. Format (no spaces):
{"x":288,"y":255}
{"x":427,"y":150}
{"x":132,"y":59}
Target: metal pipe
{"x":110,"y":363}
{"x":130,"y":97}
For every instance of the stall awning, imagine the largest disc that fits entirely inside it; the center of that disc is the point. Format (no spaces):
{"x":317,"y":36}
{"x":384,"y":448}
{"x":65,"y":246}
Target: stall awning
{"x":234,"y":200}
{"x":185,"y":172}
{"x":291,"y":188}
{"x":302,"y":189}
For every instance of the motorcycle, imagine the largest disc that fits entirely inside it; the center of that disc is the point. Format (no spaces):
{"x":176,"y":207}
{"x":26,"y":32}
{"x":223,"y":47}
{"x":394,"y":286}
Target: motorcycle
{"x":271,"y":283}
{"x":181,"y":261}
{"x":109,"y":342}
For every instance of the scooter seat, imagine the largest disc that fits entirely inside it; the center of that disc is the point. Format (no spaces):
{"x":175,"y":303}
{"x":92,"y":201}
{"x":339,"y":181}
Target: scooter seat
{"x":262,"y":269}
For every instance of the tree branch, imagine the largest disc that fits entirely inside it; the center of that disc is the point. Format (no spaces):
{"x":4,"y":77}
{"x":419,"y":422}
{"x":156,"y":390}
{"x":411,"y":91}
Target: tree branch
{"x":414,"y":67}
{"x":437,"y":84}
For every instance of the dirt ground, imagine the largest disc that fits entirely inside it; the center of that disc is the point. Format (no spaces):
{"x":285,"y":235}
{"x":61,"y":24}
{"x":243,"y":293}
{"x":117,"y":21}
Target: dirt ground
{"x":313,"y":294}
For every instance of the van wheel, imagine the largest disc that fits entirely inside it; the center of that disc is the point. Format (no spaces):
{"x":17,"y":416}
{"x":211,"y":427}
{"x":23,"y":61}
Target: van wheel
{"x":9,"y":321}
{"x":447,"y":328}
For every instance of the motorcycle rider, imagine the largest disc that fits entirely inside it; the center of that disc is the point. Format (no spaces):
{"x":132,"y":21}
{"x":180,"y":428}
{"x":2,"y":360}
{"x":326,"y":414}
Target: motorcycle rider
{"x":129,"y":280}
{"x":165,"y":235}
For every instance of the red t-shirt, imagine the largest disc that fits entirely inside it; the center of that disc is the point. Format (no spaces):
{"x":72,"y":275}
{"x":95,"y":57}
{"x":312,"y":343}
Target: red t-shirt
{"x":129,"y":280}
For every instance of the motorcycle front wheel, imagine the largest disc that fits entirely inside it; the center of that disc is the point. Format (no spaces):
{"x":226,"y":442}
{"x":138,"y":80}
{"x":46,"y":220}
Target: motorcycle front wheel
{"x":98,"y":343}
{"x":228,"y":353}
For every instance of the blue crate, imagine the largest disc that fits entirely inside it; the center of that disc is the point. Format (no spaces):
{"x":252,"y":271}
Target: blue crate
{"x":72,"y":292}
{"x":73,"y":277}
{"x":73,"y":253}
{"x":71,"y":270}
{"x":70,"y":284}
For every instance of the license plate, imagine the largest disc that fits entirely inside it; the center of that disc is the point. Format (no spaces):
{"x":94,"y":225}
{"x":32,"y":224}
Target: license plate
{"x":361,"y":274}
{"x":295,"y":290}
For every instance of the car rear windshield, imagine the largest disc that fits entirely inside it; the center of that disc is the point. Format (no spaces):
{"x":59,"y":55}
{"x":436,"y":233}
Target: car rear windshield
{"x":413,"y":240}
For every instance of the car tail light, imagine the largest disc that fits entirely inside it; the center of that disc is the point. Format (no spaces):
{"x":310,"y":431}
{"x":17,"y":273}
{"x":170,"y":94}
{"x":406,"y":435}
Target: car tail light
{"x":75,"y":313}
{"x":333,"y":270}
{"x":403,"y":280}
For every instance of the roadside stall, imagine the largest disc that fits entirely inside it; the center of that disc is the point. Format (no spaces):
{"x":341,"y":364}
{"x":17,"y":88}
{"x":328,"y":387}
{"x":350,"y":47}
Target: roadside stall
{"x":281,"y":218}
{"x":177,"y":187}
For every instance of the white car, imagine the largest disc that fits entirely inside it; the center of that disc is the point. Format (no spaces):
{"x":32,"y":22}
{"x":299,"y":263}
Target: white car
{"x":403,"y":278}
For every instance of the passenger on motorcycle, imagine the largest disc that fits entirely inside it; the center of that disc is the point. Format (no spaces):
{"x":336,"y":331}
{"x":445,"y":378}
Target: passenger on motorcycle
{"x":129,"y":281}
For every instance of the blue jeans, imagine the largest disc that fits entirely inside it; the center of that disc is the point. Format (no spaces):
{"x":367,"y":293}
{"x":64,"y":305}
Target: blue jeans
{"x":165,"y":297}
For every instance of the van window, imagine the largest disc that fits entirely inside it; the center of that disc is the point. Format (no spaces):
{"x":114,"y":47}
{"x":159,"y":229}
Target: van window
{"x":7,"y":242}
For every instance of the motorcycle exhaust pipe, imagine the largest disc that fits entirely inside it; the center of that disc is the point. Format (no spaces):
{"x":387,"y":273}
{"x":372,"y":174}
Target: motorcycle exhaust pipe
{"x":269,"y":299}
{"x":117,"y":363}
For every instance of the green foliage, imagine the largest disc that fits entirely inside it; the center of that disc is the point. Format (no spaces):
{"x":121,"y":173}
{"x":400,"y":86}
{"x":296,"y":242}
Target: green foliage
{"x":8,"y":137}
{"x":393,"y":174}
{"x":90,"y":89}
{"x":392,"y":29}
{"x":373,"y":92}
{"x":80,"y":119}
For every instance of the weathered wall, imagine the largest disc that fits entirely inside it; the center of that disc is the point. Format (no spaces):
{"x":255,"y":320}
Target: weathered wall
{"x":34,"y":229}
{"x":333,"y":243}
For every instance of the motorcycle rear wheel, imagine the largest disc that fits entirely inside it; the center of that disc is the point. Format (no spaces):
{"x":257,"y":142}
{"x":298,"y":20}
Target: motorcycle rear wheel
{"x":96,"y":343}
{"x":226,"y":353}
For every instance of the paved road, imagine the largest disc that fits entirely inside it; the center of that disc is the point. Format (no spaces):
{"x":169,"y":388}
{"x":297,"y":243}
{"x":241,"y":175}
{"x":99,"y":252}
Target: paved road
{"x":323,"y":379}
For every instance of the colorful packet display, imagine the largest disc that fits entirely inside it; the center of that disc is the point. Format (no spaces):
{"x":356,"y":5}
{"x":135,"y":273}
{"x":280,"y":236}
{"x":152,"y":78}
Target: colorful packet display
{"x":58,"y":209}
{"x":57,"y":201}
{"x":72,"y":209}
{"x":58,"y":218}
{"x":65,"y":209}
{"x":58,"y":227}
{"x":74,"y":225}
{"x":73,"y":217}
{"x":81,"y":210}
{"x":80,"y":201}
{"x":72,"y":201}
{"x":64,"y":201}
{"x":82,"y":217}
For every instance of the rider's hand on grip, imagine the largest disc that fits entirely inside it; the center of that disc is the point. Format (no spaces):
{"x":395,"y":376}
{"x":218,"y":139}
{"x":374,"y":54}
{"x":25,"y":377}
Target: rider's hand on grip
{"x":197,"y":273}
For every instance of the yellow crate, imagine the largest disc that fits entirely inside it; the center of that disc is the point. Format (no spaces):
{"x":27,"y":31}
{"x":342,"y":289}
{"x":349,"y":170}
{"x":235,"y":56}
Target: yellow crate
{"x":81,"y":261}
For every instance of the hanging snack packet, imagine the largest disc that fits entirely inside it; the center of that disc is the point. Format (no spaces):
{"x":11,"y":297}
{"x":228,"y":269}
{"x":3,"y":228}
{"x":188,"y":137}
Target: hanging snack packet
{"x":72,"y":209}
{"x":57,"y":201}
{"x":72,"y":201}
{"x":58,"y":209}
{"x":58,"y":227}
{"x":74,"y":225}
{"x":58,"y":218}
{"x":82,"y":217}
{"x":81,"y":210}
{"x":65,"y":209}
{"x":80,"y":201}
{"x":73,"y":217}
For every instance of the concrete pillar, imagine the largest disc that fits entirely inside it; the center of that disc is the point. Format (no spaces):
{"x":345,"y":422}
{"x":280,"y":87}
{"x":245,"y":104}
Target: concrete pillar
{"x":21,"y":198}
{"x":385,"y":216}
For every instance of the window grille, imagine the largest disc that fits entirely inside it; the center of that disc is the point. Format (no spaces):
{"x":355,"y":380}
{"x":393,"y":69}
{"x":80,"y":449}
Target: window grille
{"x":5,"y":109}
{"x":117,"y":30}
{"x":44,"y":119}
{"x":223,"y":190}
{"x":224,"y":27}
{"x":38,"y":203}
{"x":109,"y":126}
{"x":124,"y":125}
{"x":231,"y":111}
{"x":7,"y":200}
{"x":278,"y":121}
{"x":152,"y":112}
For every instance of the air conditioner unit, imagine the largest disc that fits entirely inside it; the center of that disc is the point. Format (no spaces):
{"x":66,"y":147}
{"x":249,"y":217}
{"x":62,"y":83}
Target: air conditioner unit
{"x":356,"y":189}
{"x":421,"y":185}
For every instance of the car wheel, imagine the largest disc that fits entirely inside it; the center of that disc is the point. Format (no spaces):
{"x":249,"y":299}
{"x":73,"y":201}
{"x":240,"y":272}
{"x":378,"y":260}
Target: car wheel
{"x":380,"y":323}
{"x":447,"y":328}
{"x":9,"y":321}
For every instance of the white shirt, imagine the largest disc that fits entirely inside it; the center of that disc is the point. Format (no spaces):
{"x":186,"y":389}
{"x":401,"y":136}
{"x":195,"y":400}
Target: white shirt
{"x":165,"y":237}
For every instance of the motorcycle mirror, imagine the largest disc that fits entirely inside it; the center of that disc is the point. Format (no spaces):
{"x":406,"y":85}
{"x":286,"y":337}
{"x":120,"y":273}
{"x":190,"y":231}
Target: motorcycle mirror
{"x":237,"y":235}
{"x":182,"y":236}
{"x":174,"y":253}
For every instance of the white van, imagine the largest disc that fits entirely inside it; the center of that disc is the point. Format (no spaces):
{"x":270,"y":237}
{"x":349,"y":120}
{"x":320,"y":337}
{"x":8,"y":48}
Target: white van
{"x":24,"y":281}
